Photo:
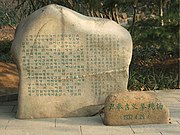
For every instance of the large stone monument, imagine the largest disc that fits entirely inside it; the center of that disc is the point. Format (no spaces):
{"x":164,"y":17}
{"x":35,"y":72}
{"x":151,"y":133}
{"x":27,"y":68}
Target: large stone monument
{"x":68,"y":63}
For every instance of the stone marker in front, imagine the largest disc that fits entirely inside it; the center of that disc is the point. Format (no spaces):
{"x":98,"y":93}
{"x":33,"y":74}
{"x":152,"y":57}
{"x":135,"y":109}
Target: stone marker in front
{"x":68,"y":63}
{"x":134,"y":108}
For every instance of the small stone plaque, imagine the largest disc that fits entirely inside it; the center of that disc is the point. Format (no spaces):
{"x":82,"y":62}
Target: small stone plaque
{"x":134,"y":108}
{"x":68,"y":63}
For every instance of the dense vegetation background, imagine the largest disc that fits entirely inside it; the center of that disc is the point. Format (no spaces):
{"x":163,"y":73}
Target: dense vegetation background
{"x":153,"y":24}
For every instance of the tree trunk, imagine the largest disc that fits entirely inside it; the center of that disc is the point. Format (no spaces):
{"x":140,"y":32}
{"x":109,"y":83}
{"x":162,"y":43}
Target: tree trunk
{"x":134,"y":19}
{"x":161,"y":13}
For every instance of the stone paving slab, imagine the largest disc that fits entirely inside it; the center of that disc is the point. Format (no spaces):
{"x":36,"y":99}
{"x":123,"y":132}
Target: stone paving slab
{"x":8,"y":97}
{"x":40,"y":132}
{"x":174,"y":108}
{"x":5,"y":118}
{"x":170,"y":101}
{"x":14,"y":132}
{"x":107,"y":130}
{"x":28,"y":124}
{"x":10,"y":103}
{"x":148,"y":134}
{"x":156,"y":128}
{"x":64,"y":130}
{"x":3,"y":124}
{"x":145,"y":129}
{"x":169,"y":133}
{"x":169,"y":129}
{"x":168,"y":93}
{"x":6,"y":109}
{"x":90,"y":121}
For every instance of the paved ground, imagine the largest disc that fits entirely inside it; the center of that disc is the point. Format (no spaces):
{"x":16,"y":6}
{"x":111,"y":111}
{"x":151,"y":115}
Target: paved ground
{"x":87,"y":125}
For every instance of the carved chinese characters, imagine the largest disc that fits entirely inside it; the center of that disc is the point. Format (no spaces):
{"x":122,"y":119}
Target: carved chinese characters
{"x":128,"y":108}
{"x":61,"y":71}
{"x":69,"y":63}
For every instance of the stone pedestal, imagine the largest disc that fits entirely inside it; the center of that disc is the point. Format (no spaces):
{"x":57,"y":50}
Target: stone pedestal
{"x":134,"y":108}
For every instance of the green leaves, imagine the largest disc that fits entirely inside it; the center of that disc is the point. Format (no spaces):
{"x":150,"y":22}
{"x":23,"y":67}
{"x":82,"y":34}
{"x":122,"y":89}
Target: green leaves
{"x":152,"y":78}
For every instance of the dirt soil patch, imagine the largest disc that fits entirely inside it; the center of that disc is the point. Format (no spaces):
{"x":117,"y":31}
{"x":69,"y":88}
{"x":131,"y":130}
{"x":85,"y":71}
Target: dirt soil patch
{"x":9,"y":78}
{"x":7,"y":32}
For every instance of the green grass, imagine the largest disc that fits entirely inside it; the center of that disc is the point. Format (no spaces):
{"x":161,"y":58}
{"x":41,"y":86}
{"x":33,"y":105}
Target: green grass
{"x":153,"y":78}
{"x":7,"y":17}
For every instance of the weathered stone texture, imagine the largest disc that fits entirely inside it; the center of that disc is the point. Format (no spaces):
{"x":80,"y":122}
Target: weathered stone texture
{"x":134,"y":108}
{"x":68,"y":63}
